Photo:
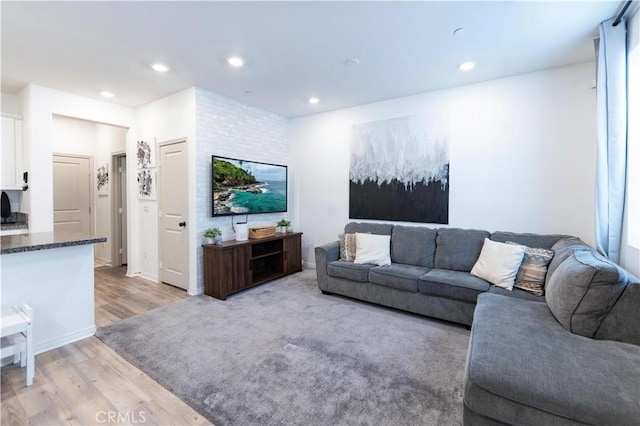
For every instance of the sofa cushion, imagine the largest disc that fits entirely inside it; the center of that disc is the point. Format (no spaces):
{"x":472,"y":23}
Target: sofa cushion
{"x":529,"y":240}
{"x":499,"y":263}
{"x":583,"y":289}
{"x":561,"y":251}
{"x":396,"y":275}
{"x":458,"y":249}
{"x":525,"y":368}
{"x":413,"y":245}
{"x":452,"y":284}
{"x":368,"y":228}
{"x":350,"y":271}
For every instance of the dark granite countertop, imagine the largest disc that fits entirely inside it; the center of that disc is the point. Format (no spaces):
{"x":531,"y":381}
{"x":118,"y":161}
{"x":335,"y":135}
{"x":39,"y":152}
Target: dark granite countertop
{"x":46,"y":240}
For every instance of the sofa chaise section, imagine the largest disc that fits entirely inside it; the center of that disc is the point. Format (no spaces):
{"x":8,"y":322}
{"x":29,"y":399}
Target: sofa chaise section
{"x":523,"y":367}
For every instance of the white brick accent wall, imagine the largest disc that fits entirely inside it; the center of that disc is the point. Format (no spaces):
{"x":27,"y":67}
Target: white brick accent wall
{"x":229,"y":128}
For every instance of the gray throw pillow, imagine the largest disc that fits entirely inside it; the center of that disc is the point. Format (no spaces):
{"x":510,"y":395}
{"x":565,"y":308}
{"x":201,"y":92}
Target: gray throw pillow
{"x":533,"y":270}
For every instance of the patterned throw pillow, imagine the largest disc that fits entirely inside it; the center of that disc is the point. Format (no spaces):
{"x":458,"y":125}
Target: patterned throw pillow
{"x":533,"y":270}
{"x":347,"y":247}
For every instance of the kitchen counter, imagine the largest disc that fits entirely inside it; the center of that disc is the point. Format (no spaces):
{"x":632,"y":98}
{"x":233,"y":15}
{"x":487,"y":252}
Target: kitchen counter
{"x":54,"y":273}
{"x":46,"y":240}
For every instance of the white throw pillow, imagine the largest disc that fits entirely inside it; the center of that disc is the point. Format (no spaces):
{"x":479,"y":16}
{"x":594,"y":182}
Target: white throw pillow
{"x":371,"y":248}
{"x":499,"y":263}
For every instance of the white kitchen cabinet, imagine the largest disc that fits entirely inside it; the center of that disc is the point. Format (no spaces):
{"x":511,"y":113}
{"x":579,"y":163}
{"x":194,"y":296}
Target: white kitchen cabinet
{"x":11,"y":153}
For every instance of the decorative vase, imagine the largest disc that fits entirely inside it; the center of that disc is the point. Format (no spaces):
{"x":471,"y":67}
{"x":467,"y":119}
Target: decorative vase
{"x":217,"y":241}
{"x":209,"y":240}
{"x":289,"y":228}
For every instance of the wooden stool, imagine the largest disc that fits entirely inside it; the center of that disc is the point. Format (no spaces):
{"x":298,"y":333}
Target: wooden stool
{"x":17,"y":337}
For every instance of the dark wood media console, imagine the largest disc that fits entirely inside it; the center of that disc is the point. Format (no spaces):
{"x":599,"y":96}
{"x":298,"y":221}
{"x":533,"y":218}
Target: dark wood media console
{"x":238,"y":265}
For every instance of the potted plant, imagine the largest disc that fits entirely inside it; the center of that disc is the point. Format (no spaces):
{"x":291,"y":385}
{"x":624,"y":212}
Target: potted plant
{"x":212,"y":236}
{"x":284,"y":226}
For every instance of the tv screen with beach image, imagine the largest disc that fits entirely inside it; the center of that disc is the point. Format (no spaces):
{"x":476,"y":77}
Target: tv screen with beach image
{"x":248,"y":187}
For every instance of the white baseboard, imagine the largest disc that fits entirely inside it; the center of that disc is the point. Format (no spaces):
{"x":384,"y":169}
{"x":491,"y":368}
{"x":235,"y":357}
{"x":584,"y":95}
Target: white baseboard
{"x":198,"y":292}
{"x":149,"y":277}
{"x":47,"y":345}
{"x":309,"y":265}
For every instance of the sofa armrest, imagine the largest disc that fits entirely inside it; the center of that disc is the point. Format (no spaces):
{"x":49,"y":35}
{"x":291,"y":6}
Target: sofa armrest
{"x":324,"y":255}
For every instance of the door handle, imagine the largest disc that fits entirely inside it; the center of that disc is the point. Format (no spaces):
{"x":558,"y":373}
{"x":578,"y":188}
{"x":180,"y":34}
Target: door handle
{"x":182,"y":224}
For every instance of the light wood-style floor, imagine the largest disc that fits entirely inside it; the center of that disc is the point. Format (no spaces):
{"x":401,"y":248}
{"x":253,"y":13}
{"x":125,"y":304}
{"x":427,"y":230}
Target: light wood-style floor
{"x":87,"y":383}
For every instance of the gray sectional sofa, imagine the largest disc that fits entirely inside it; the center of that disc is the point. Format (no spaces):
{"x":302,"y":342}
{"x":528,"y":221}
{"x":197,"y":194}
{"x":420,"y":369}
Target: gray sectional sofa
{"x":571,"y":356}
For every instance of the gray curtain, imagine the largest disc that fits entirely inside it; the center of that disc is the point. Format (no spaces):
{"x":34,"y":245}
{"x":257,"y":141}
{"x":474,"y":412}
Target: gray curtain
{"x":611,"y":167}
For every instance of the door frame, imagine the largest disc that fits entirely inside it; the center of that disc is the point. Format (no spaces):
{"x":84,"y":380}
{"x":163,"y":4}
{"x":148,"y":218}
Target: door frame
{"x":92,"y":196}
{"x":116,"y":194}
{"x":187,"y":215}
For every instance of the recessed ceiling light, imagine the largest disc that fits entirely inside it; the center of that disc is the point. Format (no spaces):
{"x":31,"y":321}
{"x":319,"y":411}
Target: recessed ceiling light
{"x":466,"y":66}
{"x":352,"y":61}
{"x":314,"y":100}
{"x":235,"y":61}
{"x":107,"y":94}
{"x":160,"y":67}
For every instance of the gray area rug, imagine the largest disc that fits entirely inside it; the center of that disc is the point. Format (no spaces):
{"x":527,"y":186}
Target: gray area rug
{"x":283,"y":353}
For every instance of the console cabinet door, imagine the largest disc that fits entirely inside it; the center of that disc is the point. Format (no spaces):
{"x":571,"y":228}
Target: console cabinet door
{"x":237,"y":264}
{"x":292,"y":254}
{"x":226,"y":270}
{"x":214,"y":284}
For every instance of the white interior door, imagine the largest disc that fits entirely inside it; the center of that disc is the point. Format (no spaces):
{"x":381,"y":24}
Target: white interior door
{"x":173,"y":206}
{"x":119,"y":210}
{"x":72,"y":194}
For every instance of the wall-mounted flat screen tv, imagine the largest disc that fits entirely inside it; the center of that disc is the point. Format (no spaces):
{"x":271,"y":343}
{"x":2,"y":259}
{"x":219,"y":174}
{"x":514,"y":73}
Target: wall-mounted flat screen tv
{"x":247,"y":187}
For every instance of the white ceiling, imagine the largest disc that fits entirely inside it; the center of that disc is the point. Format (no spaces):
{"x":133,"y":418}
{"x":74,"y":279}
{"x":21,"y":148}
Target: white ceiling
{"x":293,"y":50}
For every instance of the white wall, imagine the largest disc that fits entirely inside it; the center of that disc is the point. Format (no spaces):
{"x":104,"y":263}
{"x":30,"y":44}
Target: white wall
{"x":230,"y":128}
{"x":73,"y":136}
{"x":167,"y":119}
{"x":522,"y":156}
{"x":38,"y":105}
{"x":9,"y":104}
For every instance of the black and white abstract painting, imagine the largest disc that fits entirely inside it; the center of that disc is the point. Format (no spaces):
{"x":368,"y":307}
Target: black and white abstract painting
{"x":147,"y":184}
{"x":102,"y":179}
{"x":145,"y":153}
{"x":399,"y":169}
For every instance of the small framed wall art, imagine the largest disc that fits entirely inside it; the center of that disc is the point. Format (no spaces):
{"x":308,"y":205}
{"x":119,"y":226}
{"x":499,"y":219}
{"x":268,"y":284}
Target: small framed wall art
{"x":147,"y":184}
{"x":146,"y":153}
{"x":102,"y":179}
